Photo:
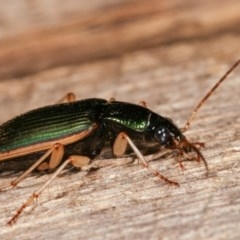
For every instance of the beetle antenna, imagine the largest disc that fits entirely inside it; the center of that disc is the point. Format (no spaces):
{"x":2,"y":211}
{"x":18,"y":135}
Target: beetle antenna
{"x":209,"y":93}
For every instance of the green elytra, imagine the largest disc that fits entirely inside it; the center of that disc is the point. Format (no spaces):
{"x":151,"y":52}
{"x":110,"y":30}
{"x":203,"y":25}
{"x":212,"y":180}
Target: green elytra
{"x":48,"y":123}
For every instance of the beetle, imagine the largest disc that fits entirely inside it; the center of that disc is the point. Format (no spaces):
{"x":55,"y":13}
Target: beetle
{"x":74,"y":132}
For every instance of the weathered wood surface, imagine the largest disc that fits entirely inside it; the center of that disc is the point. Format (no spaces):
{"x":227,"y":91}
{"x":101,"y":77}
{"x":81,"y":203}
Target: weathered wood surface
{"x":167,"y":53}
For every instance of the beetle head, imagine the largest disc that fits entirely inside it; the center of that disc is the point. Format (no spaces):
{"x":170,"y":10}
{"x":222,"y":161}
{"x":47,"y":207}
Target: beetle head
{"x":168,"y":135}
{"x":164,"y":131}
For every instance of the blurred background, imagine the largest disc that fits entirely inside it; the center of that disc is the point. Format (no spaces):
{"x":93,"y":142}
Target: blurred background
{"x":167,"y":52}
{"x":37,"y":35}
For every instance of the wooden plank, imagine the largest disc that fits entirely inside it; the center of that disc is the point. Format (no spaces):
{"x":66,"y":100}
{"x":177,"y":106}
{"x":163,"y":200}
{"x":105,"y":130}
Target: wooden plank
{"x":119,"y":200}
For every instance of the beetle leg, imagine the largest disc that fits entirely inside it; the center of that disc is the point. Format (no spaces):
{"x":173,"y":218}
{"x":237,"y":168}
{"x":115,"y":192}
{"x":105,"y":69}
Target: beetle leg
{"x":56,"y":156}
{"x":143,"y":104}
{"x":77,"y":161}
{"x":121,"y":144}
{"x":112,"y":99}
{"x":56,"y":153}
{"x":69,"y":97}
{"x":199,"y":144}
{"x":179,"y":160}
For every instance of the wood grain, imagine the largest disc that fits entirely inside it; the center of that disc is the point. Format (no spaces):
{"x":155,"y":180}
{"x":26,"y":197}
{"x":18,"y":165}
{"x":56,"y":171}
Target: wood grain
{"x":168,"y":53}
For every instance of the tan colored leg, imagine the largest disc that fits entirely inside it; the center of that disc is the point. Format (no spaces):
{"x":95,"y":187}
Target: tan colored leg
{"x":194,"y":147}
{"x":120,"y":145}
{"x":179,"y":160}
{"x":112,"y":99}
{"x":78,"y":161}
{"x":69,"y":97}
{"x":143,"y":104}
{"x":140,"y":156}
{"x":56,"y":153}
{"x":52,"y":150}
{"x":56,"y":156}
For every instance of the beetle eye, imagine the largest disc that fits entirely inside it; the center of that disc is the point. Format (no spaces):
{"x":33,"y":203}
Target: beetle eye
{"x":163,"y":136}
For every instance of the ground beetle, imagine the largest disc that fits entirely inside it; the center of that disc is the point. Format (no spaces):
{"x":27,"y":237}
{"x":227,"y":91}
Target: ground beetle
{"x":75,"y":132}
